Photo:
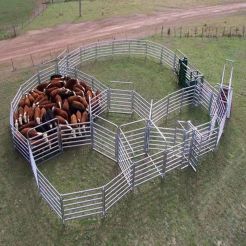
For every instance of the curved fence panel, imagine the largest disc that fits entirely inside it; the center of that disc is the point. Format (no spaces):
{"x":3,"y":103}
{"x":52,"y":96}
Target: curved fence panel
{"x":20,"y":143}
{"x":116,"y":189}
{"x":135,"y":139}
{"x":74,"y":135}
{"x":103,"y":137}
{"x":82,"y":204}
{"x":50,"y":194}
{"x":174,"y":101}
{"x":120,"y":101}
{"x":140,"y":106}
{"x":149,"y":167}
{"x":100,"y":103}
{"x":142,"y":150}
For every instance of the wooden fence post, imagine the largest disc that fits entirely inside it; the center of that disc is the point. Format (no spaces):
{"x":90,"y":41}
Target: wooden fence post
{"x":32,"y":60}
{"x":13,"y":67}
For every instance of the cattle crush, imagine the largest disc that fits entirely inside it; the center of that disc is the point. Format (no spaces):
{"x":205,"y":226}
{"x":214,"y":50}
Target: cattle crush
{"x":142,"y":149}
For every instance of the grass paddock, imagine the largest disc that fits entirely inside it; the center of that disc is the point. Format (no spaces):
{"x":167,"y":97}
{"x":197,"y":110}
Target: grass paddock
{"x":186,"y":208}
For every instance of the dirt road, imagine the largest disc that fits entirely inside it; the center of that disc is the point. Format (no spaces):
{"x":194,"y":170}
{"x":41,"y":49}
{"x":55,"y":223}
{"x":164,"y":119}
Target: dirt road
{"x":63,"y":35}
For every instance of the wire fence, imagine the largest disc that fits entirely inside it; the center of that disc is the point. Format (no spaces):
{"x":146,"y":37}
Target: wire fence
{"x":40,"y":59}
{"x":141,"y":149}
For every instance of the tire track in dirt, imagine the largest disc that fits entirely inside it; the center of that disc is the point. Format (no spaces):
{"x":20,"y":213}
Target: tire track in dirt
{"x":67,"y":34}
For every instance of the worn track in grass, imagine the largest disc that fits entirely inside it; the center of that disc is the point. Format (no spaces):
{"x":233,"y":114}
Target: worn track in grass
{"x":63,"y":35}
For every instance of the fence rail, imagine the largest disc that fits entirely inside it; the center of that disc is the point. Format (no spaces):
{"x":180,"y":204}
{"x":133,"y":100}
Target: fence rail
{"x":141,"y":149}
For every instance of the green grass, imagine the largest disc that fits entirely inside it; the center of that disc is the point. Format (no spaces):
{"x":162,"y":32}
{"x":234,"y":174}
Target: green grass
{"x":14,"y":12}
{"x":68,"y":12}
{"x":147,"y":77}
{"x":150,"y":79}
{"x":187,"y":208}
{"x":79,"y":169}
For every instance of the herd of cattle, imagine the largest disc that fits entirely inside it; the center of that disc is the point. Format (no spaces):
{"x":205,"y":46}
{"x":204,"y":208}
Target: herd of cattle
{"x":62,"y":98}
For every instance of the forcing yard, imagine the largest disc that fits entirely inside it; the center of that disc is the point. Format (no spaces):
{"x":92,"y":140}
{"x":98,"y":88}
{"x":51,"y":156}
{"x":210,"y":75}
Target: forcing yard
{"x":83,"y":168}
{"x":210,"y":203}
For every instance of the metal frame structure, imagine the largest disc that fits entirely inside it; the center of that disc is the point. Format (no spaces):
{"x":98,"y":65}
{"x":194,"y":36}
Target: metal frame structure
{"x":142,"y":149}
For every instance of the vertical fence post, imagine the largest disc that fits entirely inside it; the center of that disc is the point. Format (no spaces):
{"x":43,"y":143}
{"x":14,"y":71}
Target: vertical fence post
{"x":167,"y":110}
{"x":194,"y":95}
{"x":32,"y":60}
{"x":146,"y":137}
{"x":33,"y":163}
{"x":132,"y":101}
{"x":217,"y":139}
{"x":151,"y":110}
{"x":182,"y":99}
{"x":62,"y":210}
{"x":92,"y":129}
{"x":200,"y":89}
{"x":191,"y":144}
{"x":191,"y":149}
{"x":59,"y":137}
{"x":13,"y":67}
{"x":103,"y":201}
{"x":117,"y":140}
{"x":161,"y":55}
{"x":38,"y":76}
{"x":210,"y":104}
{"x":191,"y":76}
{"x":174,"y":62}
{"x":39,"y":184}
{"x":185,"y":137}
{"x":133,"y":176}
{"x":108,"y":99}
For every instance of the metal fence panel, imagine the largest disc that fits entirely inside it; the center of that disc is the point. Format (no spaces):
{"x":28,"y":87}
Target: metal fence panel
{"x":82,"y":204}
{"x":50,"y":194}
{"x":74,"y":135}
{"x":103,"y":137}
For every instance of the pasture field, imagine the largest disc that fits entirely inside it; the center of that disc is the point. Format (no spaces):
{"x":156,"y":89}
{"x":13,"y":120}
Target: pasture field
{"x":187,"y":208}
{"x":68,"y":12}
{"x":89,"y":169}
{"x":14,"y":12}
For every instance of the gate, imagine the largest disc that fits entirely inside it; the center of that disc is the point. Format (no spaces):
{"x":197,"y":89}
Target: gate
{"x":196,"y":141}
{"x":120,"y":98}
{"x":103,"y":135}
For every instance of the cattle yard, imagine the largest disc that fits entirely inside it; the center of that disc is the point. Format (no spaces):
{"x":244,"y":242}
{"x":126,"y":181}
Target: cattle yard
{"x":143,"y":148}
